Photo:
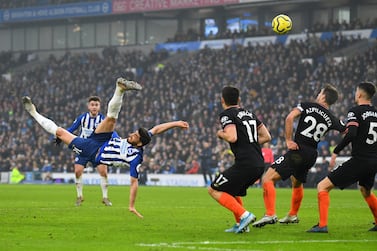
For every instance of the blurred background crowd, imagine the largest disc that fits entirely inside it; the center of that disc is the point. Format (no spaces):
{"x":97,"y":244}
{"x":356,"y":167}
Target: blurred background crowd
{"x":252,"y":31}
{"x":186,"y":86}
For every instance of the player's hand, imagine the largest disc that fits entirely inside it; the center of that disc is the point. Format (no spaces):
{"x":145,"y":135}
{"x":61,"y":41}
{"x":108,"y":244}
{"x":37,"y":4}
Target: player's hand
{"x":292,"y":145}
{"x":183,"y":124}
{"x":134,"y":211}
{"x":220,"y":133}
{"x":57,"y":141}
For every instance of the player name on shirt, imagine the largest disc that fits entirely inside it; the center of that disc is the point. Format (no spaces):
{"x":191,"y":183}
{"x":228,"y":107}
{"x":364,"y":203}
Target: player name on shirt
{"x":367,"y":114}
{"x":242,"y":114}
{"x":322,"y":113}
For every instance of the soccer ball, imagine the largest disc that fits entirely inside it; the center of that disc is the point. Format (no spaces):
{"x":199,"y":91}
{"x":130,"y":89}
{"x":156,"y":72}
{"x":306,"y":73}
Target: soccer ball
{"x":281,"y":24}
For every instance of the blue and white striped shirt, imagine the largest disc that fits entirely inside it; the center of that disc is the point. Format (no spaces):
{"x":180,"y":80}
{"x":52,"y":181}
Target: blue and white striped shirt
{"x":87,"y":123}
{"x":118,"y":151}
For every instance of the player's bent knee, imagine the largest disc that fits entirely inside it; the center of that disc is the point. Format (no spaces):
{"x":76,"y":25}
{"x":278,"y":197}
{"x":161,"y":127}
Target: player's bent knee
{"x":365,"y":192}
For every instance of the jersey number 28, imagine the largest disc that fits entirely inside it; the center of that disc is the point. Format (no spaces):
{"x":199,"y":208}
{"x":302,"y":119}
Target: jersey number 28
{"x":315,"y":130}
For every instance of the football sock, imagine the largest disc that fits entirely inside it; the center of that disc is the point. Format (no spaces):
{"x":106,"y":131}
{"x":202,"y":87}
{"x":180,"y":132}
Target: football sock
{"x":297,"y":195}
{"x":229,"y":202}
{"x":79,"y":186}
{"x":115,"y":103}
{"x":269,"y":196}
{"x":246,"y":213}
{"x":239,"y":200}
{"x":372,"y":203}
{"x":323,"y":206}
{"x":104,"y":185}
{"x":46,"y":123}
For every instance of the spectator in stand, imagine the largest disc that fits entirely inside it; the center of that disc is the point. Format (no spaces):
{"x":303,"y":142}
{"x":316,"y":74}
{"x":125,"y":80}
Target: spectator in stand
{"x":194,"y":167}
{"x":46,"y":171}
{"x":268,"y":155}
{"x":206,"y":162}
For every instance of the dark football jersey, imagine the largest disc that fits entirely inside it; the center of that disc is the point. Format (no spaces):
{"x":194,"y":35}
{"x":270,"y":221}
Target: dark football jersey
{"x":315,"y":121}
{"x":246,"y":149}
{"x":364,"y":117}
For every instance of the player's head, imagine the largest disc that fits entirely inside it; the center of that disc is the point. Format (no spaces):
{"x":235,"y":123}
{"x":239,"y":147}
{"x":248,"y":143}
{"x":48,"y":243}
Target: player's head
{"x":230,"y":95}
{"x":139,"y":138}
{"x":145,"y":137}
{"x":365,"y":90}
{"x":329,"y":93}
{"x":94,"y":105}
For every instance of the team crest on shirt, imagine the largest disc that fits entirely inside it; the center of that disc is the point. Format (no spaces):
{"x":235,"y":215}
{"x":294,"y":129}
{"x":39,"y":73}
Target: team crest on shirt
{"x":225,"y":120}
{"x":351,"y":115}
{"x":132,"y":151}
{"x":96,"y":124}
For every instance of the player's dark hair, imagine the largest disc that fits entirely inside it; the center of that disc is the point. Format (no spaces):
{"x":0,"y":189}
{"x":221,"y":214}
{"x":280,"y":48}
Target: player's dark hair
{"x":94,"y":98}
{"x":230,"y":95}
{"x":331,"y":94}
{"x":145,"y":138}
{"x":368,"y":88}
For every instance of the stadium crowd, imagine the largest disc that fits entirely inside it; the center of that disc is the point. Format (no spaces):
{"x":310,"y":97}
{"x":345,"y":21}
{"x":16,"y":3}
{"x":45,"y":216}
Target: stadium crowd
{"x":254,"y":30}
{"x":272,"y":79}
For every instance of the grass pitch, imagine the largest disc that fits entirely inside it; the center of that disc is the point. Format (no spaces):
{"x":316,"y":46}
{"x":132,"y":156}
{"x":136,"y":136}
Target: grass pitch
{"x":43,"y":217}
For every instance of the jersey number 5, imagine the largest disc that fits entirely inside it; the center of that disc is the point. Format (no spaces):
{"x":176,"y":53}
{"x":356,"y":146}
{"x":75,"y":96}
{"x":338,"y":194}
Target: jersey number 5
{"x":372,"y":131}
{"x":251,"y":128}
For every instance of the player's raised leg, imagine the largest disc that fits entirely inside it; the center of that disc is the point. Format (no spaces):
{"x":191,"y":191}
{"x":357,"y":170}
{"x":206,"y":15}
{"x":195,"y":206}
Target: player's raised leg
{"x":115,"y":104}
{"x":47,"y":124}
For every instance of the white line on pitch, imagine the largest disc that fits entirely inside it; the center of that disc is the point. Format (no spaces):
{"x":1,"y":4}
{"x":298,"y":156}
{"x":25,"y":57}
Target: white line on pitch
{"x":193,"y":245}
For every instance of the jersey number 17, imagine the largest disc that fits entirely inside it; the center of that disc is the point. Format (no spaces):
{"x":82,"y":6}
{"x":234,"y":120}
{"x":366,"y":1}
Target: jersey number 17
{"x":251,"y":129}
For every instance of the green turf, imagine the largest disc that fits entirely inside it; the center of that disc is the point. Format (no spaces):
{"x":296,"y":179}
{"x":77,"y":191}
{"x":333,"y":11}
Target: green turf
{"x":43,"y":217}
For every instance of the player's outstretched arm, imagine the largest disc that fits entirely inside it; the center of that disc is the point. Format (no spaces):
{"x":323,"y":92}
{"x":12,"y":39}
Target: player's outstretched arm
{"x":161,"y":128}
{"x":76,"y":124}
{"x":133,"y":193}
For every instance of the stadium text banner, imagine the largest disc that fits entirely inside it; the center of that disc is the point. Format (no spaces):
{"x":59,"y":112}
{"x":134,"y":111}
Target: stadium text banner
{"x":128,"y":6}
{"x":55,"y":12}
{"x":182,"y":46}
